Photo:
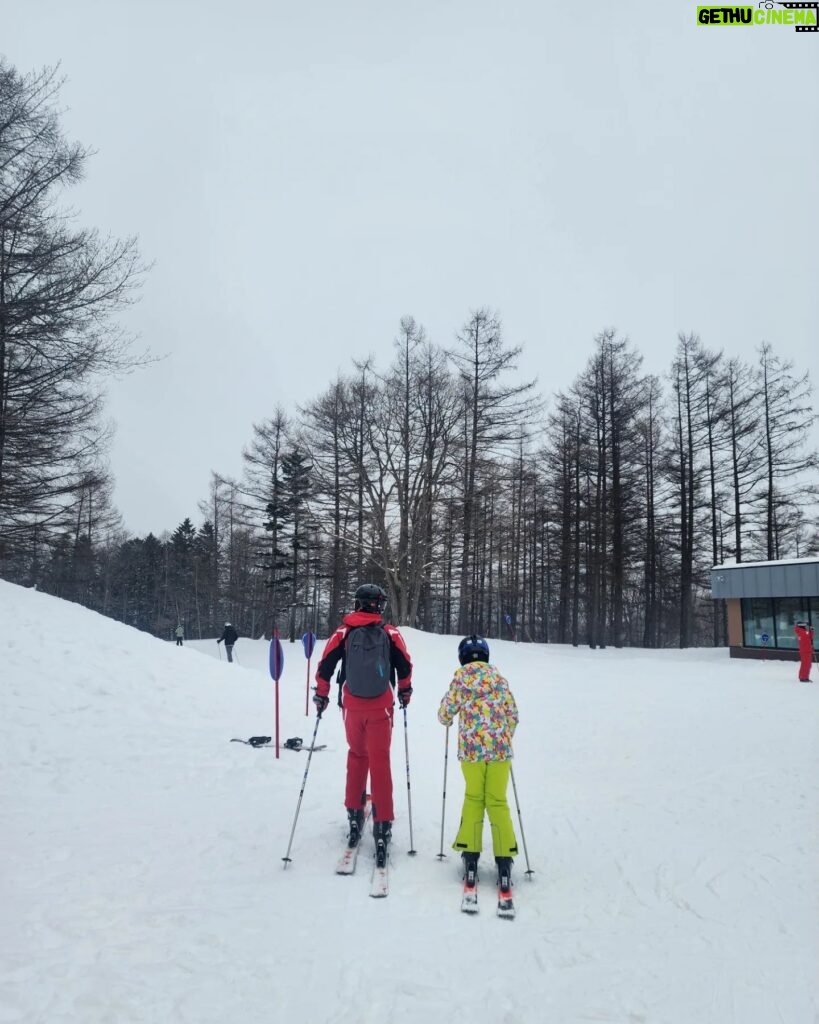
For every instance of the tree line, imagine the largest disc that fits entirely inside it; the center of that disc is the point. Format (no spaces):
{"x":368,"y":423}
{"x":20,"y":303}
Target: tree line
{"x":594,"y":522}
{"x":592,"y":518}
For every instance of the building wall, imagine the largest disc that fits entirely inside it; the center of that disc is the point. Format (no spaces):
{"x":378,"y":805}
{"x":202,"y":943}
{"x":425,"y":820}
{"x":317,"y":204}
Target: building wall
{"x":785,"y":648}
{"x":734,"y":610}
{"x":763,"y":653}
{"x":766,"y":579}
{"x":765,"y":600}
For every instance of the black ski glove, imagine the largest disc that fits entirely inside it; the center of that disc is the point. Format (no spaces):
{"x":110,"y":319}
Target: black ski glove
{"x":404,"y":696}
{"x":322,"y":703}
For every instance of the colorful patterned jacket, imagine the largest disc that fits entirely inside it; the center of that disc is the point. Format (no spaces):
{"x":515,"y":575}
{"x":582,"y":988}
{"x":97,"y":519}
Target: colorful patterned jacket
{"x":486,"y":710}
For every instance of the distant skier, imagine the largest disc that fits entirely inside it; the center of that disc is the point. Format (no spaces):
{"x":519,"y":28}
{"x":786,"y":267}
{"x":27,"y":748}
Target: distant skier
{"x":804,"y":634}
{"x":230,"y":636}
{"x":179,"y":633}
{"x":487,"y":719}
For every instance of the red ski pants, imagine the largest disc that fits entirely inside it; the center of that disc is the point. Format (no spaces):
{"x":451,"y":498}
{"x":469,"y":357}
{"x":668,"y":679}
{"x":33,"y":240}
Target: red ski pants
{"x":369,"y":734}
{"x":805,"y":662}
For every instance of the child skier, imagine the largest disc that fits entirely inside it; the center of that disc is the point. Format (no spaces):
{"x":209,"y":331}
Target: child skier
{"x":487,"y":718}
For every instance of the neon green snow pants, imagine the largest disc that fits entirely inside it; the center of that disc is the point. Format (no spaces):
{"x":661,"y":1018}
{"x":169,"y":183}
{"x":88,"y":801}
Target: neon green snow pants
{"x":486,"y":783}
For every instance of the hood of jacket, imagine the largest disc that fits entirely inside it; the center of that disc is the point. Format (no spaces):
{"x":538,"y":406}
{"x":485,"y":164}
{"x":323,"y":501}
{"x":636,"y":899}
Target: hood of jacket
{"x":481,"y":680}
{"x":361,"y":619}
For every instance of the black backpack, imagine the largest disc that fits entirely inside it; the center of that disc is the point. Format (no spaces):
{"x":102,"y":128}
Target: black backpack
{"x":367,"y":661}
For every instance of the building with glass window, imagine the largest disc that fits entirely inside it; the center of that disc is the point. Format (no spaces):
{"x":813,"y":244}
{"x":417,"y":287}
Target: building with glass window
{"x":764,"y":602}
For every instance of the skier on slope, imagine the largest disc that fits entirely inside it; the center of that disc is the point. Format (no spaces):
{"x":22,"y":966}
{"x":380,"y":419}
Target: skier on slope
{"x":804,"y":634}
{"x":230,"y":636}
{"x":487,"y":718}
{"x":372,"y":654}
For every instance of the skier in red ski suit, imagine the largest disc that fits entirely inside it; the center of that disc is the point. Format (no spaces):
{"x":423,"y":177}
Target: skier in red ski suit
{"x":804,"y":635}
{"x":367,"y":719}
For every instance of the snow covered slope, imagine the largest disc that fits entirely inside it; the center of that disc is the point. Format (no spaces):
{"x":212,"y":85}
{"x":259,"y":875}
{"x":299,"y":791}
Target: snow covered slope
{"x":669,"y":802}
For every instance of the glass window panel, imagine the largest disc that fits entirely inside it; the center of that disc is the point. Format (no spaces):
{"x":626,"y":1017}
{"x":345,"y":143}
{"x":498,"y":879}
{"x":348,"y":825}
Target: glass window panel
{"x":757,"y":619}
{"x":789,"y":611}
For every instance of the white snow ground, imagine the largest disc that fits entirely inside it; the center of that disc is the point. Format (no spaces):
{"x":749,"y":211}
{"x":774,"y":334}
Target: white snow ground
{"x":669,"y":803}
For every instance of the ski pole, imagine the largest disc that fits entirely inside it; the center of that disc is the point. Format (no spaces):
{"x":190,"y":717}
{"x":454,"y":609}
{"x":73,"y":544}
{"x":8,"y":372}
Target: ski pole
{"x":412,"y":851}
{"x":286,"y":857}
{"x":441,"y":855}
{"x":529,"y":872}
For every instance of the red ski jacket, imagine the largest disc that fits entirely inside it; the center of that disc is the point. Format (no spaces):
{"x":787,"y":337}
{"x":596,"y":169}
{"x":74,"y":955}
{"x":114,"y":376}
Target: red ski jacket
{"x":805,"y":638}
{"x":335,"y":649}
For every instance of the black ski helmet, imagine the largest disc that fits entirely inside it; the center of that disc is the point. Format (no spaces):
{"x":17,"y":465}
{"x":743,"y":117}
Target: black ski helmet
{"x":473,"y":648}
{"x":370,"y":598}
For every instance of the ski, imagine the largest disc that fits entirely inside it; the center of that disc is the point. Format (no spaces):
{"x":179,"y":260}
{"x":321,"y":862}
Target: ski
{"x":506,"y":906}
{"x":349,"y":857}
{"x":347,"y":861}
{"x":380,"y":882}
{"x":263,"y":743}
{"x":469,"y":899}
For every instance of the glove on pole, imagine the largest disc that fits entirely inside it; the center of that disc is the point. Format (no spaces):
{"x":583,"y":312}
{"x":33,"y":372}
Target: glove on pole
{"x":286,"y":857}
{"x":529,"y":872}
{"x":441,"y":855}
{"x":412,"y":851}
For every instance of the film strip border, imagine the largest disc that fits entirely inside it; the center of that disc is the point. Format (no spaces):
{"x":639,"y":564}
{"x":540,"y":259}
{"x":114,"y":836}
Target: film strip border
{"x":801,"y":7}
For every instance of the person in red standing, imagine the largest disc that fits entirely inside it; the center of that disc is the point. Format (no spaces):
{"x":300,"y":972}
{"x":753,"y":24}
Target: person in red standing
{"x":804,"y":634}
{"x":373,"y":656}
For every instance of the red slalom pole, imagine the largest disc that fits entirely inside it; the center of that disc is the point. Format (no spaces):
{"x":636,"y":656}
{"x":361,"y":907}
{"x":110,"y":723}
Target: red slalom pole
{"x":277,"y":718}
{"x":276,"y":642}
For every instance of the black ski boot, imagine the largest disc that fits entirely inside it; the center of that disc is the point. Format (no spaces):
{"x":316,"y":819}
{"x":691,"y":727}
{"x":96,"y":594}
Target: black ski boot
{"x":470,"y":868}
{"x":355,"y":816}
{"x":504,"y":873}
{"x":382,"y":832}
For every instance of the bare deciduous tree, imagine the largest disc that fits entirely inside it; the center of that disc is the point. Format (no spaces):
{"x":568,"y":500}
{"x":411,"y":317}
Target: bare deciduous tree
{"x":59,"y":288}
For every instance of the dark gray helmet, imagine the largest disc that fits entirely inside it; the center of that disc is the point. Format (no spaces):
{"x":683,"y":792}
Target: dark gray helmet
{"x":370,"y":598}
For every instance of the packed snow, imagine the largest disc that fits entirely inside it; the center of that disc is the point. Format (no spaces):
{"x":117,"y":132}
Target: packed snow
{"x":668,"y":801}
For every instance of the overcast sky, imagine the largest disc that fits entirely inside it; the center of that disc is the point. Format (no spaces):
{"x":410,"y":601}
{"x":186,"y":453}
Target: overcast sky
{"x":304,"y":174}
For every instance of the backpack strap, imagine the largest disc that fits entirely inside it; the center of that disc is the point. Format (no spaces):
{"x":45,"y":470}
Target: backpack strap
{"x":341,"y":674}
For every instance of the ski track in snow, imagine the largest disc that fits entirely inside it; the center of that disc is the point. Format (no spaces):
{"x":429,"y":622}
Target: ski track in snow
{"x":669,"y":803}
